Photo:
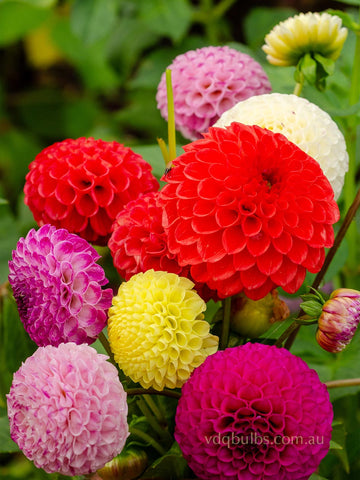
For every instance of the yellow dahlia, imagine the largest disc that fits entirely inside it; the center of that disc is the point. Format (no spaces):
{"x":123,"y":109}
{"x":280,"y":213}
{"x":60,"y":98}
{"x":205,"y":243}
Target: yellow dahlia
{"x":157,"y":330}
{"x":319,"y":33}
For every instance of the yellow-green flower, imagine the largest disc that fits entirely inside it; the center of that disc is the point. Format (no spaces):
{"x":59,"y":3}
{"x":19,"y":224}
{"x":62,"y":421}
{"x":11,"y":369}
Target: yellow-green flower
{"x":314,"y":33}
{"x":156,"y":329}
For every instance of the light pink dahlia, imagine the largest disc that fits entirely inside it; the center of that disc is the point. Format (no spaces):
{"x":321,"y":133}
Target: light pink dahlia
{"x":57,"y":285}
{"x":254,"y":412}
{"x":68,"y":410}
{"x":206,"y":82}
{"x":138,"y":243}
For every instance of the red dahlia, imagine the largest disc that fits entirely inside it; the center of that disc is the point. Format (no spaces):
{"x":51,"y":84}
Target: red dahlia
{"x":82,"y":184}
{"x":248,"y":210}
{"x":139,"y":243}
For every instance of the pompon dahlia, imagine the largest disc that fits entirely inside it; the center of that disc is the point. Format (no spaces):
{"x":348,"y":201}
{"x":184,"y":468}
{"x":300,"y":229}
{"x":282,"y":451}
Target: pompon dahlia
{"x":82,"y":184}
{"x":254,"y":412}
{"x":57,"y":285}
{"x":248,"y":210}
{"x":68,"y":410}
{"x":206,"y":82}
{"x":339,"y":319}
{"x":156,"y":329}
{"x":303,"y":123}
{"x":315,"y":33}
{"x":138,"y":243}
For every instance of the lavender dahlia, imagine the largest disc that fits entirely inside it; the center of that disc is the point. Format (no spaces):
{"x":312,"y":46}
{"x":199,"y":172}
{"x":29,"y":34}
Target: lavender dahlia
{"x":68,"y":410}
{"x":254,"y":412}
{"x":206,"y":82}
{"x":57,"y":285}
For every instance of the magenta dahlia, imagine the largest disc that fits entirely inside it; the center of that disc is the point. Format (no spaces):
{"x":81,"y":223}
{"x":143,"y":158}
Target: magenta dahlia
{"x":68,"y":410}
{"x":138,"y":243}
{"x":254,"y":412}
{"x":248,"y":210}
{"x":57,"y":285}
{"x":206,"y":82}
{"x":82,"y":184}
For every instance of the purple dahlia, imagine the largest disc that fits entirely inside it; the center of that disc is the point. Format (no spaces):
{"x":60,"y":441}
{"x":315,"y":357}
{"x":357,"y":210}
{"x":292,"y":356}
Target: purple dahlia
{"x":57,"y":285}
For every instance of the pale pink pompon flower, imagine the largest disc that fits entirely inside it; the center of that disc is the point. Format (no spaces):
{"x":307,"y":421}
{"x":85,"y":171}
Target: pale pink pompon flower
{"x":206,"y":82}
{"x":68,"y":410}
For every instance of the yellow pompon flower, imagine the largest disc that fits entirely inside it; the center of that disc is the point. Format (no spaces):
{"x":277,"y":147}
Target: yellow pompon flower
{"x":156,"y":329}
{"x":320,"y":33}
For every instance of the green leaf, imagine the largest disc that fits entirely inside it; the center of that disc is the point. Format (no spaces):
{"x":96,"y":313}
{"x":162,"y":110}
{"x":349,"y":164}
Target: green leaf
{"x":172,"y":466}
{"x":93,"y":20}
{"x":338,"y":444}
{"x":7,"y":445}
{"x":315,"y":476}
{"x":35,"y":3}
{"x":307,"y":67}
{"x":17,"y":19}
{"x":350,"y":2}
{"x":311,"y":308}
{"x":171,"y":19}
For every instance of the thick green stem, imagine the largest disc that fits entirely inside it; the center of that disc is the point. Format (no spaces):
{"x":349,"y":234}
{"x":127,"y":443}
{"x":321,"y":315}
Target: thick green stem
{"x":148,"y":439}
{"x":155,"y":409}
{"x":298,"y":89}
{"x":225,"y":329}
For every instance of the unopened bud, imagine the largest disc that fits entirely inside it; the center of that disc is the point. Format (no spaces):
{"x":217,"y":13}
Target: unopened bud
{"x":252,"y":318}
{"x":339,"y":319}
{"x":128,"y":465}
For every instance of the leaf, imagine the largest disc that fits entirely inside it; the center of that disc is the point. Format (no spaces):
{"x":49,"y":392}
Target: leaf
{"x":93,"y":20}
{"x":350,"y":2}
{"x":17,"y":19}
{"x":338,"y":444}
{"x":38,"y":3}
{"x":171,"y":19}
{"x":315,"y":476}
{"x":7,"y":445}
{"x":171,"y":466}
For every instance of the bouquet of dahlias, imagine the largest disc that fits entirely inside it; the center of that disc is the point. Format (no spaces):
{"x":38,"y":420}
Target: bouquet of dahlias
{"x":186,"y":365}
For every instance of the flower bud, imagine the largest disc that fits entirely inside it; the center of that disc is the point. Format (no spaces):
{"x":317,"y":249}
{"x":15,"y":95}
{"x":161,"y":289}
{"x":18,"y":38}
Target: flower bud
{"x":252,"y":318}
{"x":339,"y":319}
{"x":127,"y":466}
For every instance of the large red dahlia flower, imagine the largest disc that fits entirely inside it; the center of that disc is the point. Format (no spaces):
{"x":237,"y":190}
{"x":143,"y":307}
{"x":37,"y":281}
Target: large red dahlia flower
{"x":138,"y":243}
{"x":82,"y":184}
{"x":248,"y":210}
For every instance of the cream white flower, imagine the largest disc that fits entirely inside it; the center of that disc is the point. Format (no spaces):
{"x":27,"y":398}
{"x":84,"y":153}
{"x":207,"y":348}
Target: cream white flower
{"x":320,"y":33}
{"x":303,"y":123}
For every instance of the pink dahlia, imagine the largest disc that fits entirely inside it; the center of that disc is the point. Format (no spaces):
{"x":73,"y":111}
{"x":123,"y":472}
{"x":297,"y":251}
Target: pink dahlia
{"x":68,"y":410}
{"x":254,"y":412}
{"x":57,"y":285}
{"x":206,"y":82}
{"x":138,"y":243}
{"x":248,"y":210}
{"x":82,"y":184}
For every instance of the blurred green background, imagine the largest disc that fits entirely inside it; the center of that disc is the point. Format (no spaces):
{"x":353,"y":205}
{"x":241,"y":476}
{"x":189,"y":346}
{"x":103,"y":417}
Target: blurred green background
{"x":91,"y":68}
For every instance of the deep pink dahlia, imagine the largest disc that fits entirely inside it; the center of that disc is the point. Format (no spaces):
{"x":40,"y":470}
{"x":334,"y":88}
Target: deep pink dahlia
{"x":68,"y":410}
{"x":248,"y":210}
{"x":82,"y":184}
{"x":138,"y":243}
{"x":254,"y":412}
{"x":57,"y":285}
{"x":208,"y":81}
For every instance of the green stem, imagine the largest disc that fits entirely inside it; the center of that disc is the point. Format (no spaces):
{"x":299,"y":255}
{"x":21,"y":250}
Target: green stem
{"x":350,"y":138}
{"x":150,"y":391}
{"x":171,"y":118}
{"x":298,"y":89}
{"x":155,"y":409}
{"x":163,"y":434}
{"x":105,"y":343}
{"x":147,"y":438}
{"x":225,"y":330}
{"x":348,"y":382}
